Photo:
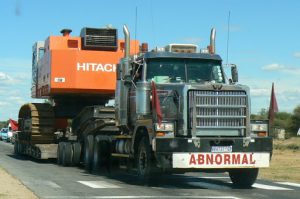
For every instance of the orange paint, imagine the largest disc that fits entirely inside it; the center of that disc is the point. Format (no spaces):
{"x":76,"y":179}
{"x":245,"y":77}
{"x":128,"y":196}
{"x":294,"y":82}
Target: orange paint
{"x":66,"y":68}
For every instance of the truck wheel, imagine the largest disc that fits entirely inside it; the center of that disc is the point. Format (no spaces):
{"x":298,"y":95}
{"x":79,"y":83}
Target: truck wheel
{"x":16,"y":148}
{"x":88,"y":152}
{"x":97,"y":154}
{"x":101,"y":154}
{"x":67,"y":154}
{"x":144,"y":161}
{"x":59,"y":153}
{"x":76,"y":153}
{"x":243,"y":178}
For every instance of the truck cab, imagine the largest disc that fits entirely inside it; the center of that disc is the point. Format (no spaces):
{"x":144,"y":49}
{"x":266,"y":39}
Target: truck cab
{"x":193,"y":118}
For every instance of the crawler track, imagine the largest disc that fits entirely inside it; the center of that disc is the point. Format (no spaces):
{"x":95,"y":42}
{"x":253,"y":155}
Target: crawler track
{"x":36,"y":121}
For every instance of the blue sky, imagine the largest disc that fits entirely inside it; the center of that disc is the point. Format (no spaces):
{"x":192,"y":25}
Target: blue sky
{"x":264,"y":38}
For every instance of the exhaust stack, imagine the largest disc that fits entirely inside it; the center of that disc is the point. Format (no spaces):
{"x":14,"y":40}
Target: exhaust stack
{"x":212,"y":46}
{"x":127,"y":42}
{"x":122,"y":89}
{"x":66,"y":32}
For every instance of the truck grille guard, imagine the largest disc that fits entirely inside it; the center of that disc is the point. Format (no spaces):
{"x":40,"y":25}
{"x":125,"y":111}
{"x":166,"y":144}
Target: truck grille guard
{"x":217,"y":110}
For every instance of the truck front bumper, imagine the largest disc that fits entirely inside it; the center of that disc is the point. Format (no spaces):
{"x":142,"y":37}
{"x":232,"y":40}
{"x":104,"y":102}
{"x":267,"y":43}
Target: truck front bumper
{"x":213,"y":153}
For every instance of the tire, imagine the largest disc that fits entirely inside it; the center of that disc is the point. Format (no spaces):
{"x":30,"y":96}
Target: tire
{"x":67,"y":155}
{"x":97,"y":154}
{"x":76,"y":146}
{"x":144,"y":161}
{"x":59,"y":153}
{"x":243,"y":178}
{"x":16,"y":148}
{"x":88,"y":152}
{"x":20,"y":149}
{"x":101,"y":154}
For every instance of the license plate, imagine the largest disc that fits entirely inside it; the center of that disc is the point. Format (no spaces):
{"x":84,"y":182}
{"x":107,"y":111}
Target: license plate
{"x":221,"y":149}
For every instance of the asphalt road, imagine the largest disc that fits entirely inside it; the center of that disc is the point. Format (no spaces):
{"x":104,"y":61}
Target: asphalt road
{"x":48,"y":180}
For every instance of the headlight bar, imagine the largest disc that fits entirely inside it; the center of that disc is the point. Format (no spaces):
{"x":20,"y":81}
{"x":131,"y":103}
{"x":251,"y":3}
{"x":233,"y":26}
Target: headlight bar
{"x":164,"y":127}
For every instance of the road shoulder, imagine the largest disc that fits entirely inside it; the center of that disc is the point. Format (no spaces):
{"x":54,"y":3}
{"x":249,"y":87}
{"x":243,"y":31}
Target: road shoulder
{"x":11,"y":187}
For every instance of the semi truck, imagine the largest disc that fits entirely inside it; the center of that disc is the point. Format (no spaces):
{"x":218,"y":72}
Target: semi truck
{"x":174,"y":109}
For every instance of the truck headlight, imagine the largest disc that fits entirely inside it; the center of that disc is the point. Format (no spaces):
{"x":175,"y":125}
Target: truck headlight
{"x":164,"y":130}
{"x":164,"y":127}
{"x":259,"y":128}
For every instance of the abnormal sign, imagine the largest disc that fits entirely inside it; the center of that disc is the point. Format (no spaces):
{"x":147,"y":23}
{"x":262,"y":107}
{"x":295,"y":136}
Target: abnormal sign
{"x":220,"y":160}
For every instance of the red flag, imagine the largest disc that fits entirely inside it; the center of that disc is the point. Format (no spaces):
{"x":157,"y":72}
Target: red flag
{"x":273,"y":106}
{"x":156,"y":103}
{"x":13,"y":125}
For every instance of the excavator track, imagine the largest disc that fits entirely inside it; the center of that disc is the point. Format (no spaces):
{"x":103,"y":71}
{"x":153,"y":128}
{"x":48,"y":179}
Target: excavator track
{"x":37,"y":123}
{"x":36,"y":136}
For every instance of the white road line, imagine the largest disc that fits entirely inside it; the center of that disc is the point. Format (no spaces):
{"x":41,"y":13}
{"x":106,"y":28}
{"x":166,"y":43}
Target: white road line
{"x":52,"y":184}
{"x":46,"y":183}
{"x":289,"y":184}
{"x":99,"y":184}
{"x":146,"y":197}
{"x":268,"y":187}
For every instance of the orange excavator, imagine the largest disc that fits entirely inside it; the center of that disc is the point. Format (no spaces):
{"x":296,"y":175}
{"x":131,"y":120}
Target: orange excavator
{"x":70,"y":73}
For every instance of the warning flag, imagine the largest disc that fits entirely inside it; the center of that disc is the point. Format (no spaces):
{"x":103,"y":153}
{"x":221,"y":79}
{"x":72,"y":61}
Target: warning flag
{"x":156,"y":103}
{"x":273,"y":106}
{"x":13,"y":124}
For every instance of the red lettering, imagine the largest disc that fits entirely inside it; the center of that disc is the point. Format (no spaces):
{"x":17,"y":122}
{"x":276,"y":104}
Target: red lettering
{"x":226,"y":159}
{"x":218,"y":159}
{"x":245,"y":159}
{"x":200,"y":159}
{"x":251,"y":159}
{"x":236,"y":158}
{"x":209,"y":159}
{"x":192,"y":159}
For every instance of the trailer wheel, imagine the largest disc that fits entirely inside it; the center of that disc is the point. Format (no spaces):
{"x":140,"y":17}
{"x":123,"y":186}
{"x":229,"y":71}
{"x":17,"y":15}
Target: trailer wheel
{"x":88,"y":152}
{"x":59,"y":153}
{"x":20,"y":148}
{"x":243,"y":178}
{"x":76,"y":152}
{"x":16,"y":148}
{"x":144,"y":161}
{"x":67,"y":154}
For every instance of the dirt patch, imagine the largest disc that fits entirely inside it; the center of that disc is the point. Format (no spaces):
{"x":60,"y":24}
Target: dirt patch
{"x":11,"y":188}
{"x":285,"y":163}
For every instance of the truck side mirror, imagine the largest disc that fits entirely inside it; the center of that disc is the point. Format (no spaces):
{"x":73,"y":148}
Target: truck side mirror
{"x":234,"y":73}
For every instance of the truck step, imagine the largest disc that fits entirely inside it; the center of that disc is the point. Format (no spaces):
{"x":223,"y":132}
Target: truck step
{"x":122,"y":136}
{"x":120,"y":155}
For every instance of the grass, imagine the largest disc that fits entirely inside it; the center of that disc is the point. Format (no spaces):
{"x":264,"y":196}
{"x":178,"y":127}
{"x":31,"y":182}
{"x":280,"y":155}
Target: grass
{"x":285,"y":163}
{"x":289,"y":144}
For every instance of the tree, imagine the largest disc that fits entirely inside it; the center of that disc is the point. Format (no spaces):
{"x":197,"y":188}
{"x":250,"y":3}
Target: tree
{"x":295,"y":121}
{"x":282,"y":120}
{"x":262,"y":115}
{"x":3,"y":124}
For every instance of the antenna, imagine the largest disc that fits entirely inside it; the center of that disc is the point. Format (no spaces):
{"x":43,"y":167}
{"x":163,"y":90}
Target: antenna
{"x":228,"y":30}
{"x":135,"y":29}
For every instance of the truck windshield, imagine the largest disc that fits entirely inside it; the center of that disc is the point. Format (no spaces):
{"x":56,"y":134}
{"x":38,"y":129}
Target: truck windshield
{"x":184,"y":70}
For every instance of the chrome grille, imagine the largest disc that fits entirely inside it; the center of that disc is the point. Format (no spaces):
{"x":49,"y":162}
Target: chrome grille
{"x":217,"y":110}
